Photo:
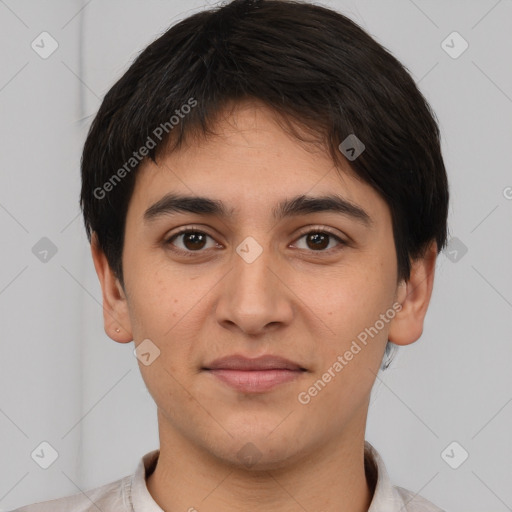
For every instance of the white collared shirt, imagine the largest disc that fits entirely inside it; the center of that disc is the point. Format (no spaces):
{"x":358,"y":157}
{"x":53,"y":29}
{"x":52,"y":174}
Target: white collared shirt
{"x":130,"y":494}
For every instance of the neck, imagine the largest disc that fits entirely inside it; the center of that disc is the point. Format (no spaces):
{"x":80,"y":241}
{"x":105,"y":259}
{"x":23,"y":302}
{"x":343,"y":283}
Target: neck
{"x":330,"y":478}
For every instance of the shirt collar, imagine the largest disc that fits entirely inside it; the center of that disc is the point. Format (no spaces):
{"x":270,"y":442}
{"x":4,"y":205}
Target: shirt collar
{"x":139,"y":496}
{"x":385,"y":496}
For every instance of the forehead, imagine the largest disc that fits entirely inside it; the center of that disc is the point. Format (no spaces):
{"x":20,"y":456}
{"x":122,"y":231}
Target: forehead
{"x":251,"y":163}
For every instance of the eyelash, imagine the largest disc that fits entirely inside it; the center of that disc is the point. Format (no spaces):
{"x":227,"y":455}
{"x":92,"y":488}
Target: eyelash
{"x":318,"y":230}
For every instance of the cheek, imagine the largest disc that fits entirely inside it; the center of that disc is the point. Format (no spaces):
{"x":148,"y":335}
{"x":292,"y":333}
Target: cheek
{"x":156,"y":303}
{"x":353,"y":302}
{"x":357,"y":292}
{"x":169,"y":309}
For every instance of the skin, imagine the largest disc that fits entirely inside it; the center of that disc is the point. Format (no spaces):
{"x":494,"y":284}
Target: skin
{"x":294,"y":301}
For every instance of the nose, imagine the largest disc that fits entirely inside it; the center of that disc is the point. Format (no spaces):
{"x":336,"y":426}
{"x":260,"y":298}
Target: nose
{"x":254,"y":297}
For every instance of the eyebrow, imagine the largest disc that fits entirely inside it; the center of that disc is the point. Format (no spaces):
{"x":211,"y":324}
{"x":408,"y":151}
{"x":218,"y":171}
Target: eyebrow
{"x":299,"y":205}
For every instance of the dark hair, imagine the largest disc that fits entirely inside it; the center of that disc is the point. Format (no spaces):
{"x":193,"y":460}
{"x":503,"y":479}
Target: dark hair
{"x":314,"y":67}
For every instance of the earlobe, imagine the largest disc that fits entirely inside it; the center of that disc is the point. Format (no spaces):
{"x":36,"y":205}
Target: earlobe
{"x":116,"y":316}
{"x":414,"y":297}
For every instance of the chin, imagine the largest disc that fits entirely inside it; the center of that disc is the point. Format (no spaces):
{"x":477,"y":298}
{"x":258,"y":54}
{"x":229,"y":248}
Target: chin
{"x":255,"y":457}
{"x":257,"y":450}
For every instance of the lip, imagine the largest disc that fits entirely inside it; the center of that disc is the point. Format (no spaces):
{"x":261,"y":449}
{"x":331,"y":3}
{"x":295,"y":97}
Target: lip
{"x":254,"y":375}
{"x":266,"y":362}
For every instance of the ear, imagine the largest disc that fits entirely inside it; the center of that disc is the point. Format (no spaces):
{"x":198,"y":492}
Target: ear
{"x":414,"y":296}
{"x":115,"y":307}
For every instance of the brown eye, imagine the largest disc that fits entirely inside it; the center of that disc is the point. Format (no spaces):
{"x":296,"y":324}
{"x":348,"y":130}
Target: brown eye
{"x":320,"y":241}
{"x":194,"y":240}
{"x":189,"y":241}
{"x":317,"y":240}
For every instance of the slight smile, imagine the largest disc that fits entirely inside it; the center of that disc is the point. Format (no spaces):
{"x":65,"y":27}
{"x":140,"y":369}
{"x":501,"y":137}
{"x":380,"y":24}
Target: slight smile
{"x":255,"y":375}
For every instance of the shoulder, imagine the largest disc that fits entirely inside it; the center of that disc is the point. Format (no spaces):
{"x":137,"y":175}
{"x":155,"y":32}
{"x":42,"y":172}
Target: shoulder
{"x":387,"y":496}
{"x":414,"y":502}
{"x":107,"y":498}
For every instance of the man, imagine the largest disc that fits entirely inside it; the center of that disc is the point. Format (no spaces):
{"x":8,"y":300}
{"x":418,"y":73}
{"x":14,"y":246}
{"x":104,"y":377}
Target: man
{"x":265,"y":197}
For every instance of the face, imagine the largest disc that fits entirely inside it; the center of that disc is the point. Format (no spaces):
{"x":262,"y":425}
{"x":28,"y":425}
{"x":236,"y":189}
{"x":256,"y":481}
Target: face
{"x":314,"y":286}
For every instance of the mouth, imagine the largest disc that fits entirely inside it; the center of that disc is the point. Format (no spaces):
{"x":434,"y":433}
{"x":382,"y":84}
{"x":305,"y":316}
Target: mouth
{"x":254,"y":375}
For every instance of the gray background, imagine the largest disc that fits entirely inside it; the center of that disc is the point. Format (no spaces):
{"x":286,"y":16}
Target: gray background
{"x":65,"y":382}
